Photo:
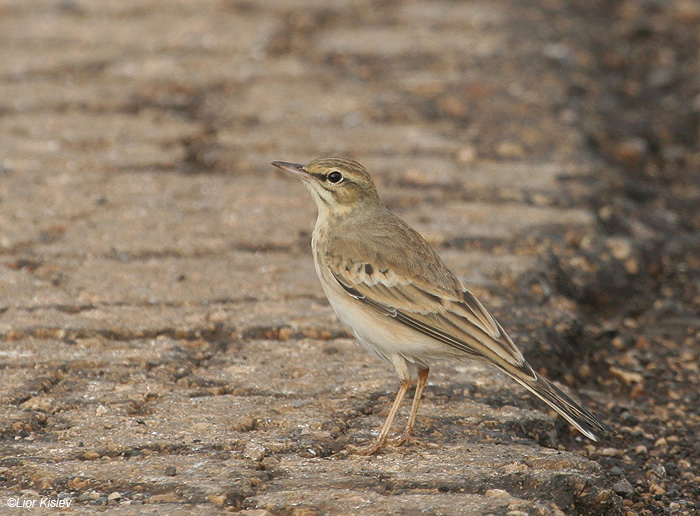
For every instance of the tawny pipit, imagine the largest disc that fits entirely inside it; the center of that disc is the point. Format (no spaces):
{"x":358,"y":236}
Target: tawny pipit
{"x":388,"y":285}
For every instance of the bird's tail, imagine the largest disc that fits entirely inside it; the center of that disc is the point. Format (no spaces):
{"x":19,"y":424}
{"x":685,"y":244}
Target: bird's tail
{"x":579,"y":417}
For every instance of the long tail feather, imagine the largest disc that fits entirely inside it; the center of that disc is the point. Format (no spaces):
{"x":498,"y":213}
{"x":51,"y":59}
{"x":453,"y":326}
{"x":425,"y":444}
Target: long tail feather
{"x":579,"y":417}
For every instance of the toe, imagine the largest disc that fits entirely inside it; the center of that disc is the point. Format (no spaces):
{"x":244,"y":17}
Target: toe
{"x":405,"y":438}
{"x":370,"y":449}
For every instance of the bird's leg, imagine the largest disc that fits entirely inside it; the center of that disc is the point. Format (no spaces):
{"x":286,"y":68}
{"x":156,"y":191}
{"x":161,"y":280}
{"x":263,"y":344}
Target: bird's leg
{"x":381,"y":439}
{"x":407,"y":435}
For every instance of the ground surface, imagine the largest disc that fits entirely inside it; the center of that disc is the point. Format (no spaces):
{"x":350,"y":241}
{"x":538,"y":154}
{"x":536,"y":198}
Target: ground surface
{"x":165,"y":347}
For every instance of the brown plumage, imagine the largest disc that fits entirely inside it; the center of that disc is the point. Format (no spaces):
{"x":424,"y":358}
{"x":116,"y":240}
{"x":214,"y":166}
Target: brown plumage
{"x":400,"y":300}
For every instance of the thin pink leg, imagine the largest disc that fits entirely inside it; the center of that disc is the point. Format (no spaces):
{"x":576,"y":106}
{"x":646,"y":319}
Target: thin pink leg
{"x":408,"y":431}
{"x":381,"y":439}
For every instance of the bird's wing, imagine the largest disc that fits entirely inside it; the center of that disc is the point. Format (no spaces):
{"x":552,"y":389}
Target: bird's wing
{"x":446,"y":312}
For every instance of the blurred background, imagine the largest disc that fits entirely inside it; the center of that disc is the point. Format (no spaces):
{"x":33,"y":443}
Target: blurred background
{"x":155,"y":270}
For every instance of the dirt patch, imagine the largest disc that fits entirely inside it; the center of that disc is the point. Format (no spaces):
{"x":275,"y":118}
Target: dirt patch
{"x":639,"y":279}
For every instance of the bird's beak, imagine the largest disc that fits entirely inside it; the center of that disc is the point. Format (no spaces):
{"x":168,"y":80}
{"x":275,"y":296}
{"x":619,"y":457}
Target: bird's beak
{"x":294,"y":169}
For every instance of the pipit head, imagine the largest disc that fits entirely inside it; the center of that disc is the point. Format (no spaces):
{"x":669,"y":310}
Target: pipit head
{"x":337,"y":185}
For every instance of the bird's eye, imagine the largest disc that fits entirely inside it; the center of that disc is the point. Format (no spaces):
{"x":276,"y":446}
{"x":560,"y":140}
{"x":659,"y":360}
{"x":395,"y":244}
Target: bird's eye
{"x":335,"y":177}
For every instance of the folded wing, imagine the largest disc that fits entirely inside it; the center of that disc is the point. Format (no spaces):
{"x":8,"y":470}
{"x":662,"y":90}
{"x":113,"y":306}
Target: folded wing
{"x":452,"y":316}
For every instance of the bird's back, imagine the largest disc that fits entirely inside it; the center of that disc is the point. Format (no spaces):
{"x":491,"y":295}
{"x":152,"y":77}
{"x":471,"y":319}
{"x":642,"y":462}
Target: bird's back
{"x":390,"y":244}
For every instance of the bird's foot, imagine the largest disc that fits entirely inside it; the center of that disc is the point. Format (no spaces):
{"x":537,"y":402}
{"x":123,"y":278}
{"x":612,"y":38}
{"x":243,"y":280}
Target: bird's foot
{"x":406,"y":438}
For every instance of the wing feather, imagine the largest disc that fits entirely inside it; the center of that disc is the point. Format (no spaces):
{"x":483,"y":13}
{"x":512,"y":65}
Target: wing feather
{"x":451,"y":316}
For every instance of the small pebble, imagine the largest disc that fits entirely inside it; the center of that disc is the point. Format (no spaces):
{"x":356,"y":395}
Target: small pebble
{"x":244,"y":424}
{"x":254,"y":451}
{"x":84,"y":497}
{"x":656,"y":489}
{"x":217,"y":499}
{"x":623,"y":487}
{"x":609,"y":452}
{"x":661,"y":441}
{"x":658,"y":471}
{"x":496,"y":492}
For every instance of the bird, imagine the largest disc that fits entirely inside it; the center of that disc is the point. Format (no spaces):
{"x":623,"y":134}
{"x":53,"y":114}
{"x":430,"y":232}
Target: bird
{"x":387,"y":284}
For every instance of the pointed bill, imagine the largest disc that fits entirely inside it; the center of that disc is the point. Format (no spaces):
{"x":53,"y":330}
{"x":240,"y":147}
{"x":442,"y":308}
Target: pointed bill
{"x":293,"y":168}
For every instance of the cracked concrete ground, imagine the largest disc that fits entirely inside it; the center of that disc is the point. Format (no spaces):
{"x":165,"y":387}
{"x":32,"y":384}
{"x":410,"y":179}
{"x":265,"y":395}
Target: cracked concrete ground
{"x":165,"y":347}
